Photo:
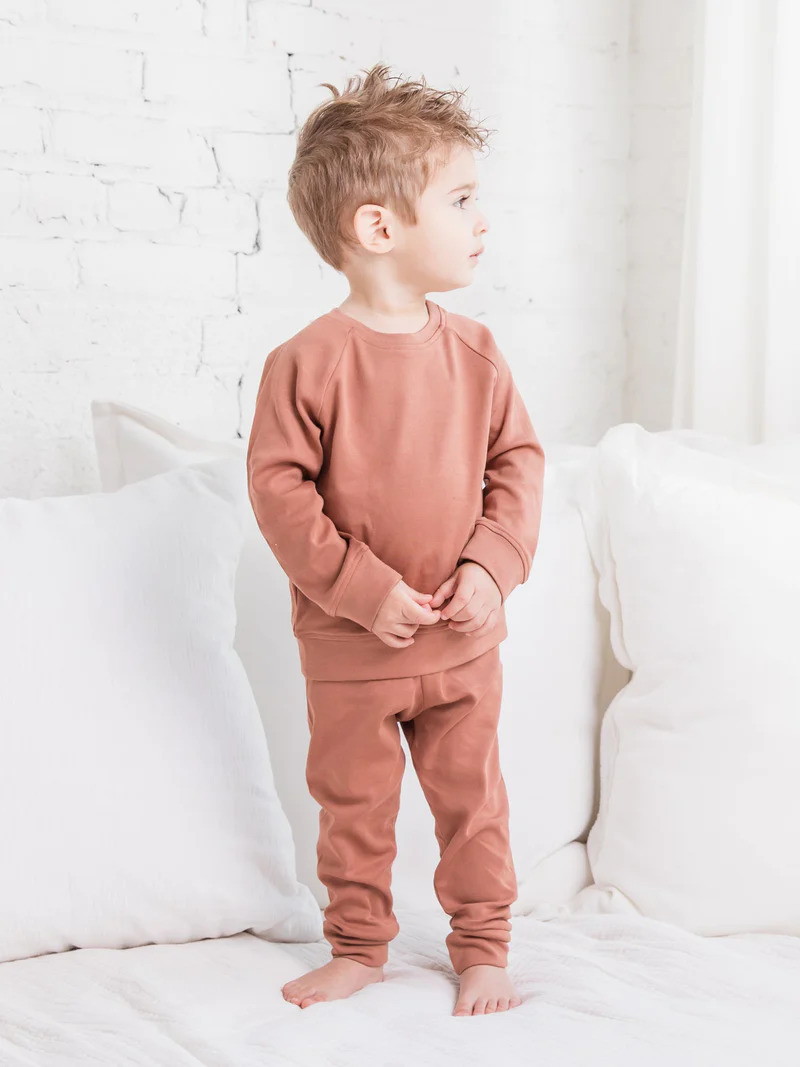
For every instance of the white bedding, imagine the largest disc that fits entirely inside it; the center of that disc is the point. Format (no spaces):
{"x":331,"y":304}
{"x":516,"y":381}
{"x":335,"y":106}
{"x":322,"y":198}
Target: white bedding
{"x":596,"y":989}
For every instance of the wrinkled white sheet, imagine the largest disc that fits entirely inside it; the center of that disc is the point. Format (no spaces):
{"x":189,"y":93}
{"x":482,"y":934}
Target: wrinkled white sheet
{"x":599,"y":989}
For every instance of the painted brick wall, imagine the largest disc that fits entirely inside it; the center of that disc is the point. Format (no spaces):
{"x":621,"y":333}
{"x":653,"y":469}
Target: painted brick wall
{"x":147,"y":253}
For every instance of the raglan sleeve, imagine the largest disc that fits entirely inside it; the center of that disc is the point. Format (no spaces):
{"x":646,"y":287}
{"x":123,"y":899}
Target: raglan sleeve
{"x":505,"y":537}
{"x":284,"y":457}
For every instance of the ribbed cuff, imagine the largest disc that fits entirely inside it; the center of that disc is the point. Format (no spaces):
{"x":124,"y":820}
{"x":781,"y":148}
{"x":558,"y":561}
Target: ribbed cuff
{"x":498,"y":554}
{"x":370,"y":583}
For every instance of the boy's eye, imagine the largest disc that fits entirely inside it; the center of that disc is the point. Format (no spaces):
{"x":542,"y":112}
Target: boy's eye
{"x":462,"y":199}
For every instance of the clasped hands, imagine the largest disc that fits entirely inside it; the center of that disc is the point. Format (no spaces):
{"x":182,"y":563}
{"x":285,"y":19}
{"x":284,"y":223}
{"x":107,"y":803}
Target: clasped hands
{"x":472,"y":609}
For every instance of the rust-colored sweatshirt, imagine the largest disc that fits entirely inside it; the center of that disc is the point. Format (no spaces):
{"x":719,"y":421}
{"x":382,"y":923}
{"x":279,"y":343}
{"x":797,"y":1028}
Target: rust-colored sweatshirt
{"x":366,"y":465}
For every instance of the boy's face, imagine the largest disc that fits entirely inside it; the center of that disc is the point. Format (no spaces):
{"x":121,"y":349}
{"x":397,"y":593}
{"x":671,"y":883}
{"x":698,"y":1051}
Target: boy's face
{"x":438,"y":253}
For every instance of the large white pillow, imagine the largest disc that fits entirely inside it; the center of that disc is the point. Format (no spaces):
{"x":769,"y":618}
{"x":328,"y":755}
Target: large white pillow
{"x":559,"y":675}
{"x":698,"y":550}
{"x":137,"y":803}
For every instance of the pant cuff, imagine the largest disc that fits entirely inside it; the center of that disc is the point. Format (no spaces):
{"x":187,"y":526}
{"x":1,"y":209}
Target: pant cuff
{"x":494,"y":954}
{"x":373,"y":956}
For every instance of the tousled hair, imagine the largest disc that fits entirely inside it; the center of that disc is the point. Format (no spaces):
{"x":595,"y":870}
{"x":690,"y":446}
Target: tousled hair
{"x":374,"y":143}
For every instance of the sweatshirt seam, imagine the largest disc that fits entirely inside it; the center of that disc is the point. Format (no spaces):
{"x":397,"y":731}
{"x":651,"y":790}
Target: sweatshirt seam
{"x":476,"y":351}
{"x":383,"y":600}
{"x":496,"y":373}
{"x":408,"y":346}
{"x":310,"y":636}
{"x":332,"y":372}
{"x":508,"y":537}
{"x":348,"y":578}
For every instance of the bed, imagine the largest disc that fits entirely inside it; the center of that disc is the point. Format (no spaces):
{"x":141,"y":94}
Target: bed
{"x":595,"y":990}
{"x":160,"y":883}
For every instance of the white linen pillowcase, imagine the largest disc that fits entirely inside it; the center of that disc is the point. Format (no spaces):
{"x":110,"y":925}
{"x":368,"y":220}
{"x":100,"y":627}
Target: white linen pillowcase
{"x":559,"y":675}
{"x":137,"y":803}
{"x":696,"y":543}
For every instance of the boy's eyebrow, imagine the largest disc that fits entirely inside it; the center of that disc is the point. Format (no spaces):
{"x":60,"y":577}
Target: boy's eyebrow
{"x":466,"y":185}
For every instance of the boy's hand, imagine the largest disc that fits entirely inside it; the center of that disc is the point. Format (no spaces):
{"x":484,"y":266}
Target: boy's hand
{"x":403,"y":610}
{"x":475,"y":599}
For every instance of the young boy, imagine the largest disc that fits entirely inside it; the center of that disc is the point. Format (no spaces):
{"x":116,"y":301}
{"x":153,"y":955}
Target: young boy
{"x":375,"y":427}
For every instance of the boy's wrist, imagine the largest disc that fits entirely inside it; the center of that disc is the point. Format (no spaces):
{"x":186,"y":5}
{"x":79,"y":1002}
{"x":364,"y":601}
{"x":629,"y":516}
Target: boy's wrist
{"x":368,"y":586}
{"x":497,"y":554}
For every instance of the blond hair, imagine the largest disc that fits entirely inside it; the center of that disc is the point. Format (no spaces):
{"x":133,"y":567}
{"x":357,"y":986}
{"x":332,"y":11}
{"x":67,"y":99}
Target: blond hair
{"x":373,"y":143}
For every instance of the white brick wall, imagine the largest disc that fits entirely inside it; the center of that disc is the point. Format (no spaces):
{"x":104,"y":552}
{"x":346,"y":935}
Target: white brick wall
{"x":147,"y":253}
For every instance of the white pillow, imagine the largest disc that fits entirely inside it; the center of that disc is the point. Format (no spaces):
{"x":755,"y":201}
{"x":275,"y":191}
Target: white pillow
{"x":136,"y":797}
{"x":132,"y":444}
{"x":698,"y":550}
{"x":559,"y":675}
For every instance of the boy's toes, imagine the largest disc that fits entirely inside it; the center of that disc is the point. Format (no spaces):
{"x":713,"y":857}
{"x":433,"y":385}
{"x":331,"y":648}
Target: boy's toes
{"x":311,"y":998}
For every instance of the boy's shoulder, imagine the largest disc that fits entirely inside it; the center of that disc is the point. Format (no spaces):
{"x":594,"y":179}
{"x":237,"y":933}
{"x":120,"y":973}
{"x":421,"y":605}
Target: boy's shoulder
{"x":321,"y":339}
{"x":310,"y":354}
{"x":475,"y":335}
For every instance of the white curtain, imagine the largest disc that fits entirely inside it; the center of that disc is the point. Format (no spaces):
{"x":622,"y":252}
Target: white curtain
{"x":738,"y":345}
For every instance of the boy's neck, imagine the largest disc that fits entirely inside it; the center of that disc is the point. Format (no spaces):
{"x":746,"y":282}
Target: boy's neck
{"x":402,"y":320}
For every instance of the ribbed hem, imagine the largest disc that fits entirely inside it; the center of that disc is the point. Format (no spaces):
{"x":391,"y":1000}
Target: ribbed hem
{"x":366,"y":656}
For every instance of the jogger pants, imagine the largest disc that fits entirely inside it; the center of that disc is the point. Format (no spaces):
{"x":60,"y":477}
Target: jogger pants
{"x":354,"y":771}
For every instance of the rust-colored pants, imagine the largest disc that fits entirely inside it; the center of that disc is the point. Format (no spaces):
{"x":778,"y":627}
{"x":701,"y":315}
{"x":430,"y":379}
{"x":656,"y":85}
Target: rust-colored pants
{"x":354,"y":771}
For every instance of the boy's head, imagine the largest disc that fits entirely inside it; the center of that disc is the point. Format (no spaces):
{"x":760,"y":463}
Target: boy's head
{"x":377,"y":182}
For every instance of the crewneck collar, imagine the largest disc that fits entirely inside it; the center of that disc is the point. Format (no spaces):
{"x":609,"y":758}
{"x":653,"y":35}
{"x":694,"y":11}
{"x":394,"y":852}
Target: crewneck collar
{"x":381,"y":339}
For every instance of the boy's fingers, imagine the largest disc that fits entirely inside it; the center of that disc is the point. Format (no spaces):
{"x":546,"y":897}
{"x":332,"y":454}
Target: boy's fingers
{"x":414,"y":613}
{"x":459,"y":601}
{"x":426,"y":614}
{"x":484,"y":627}
{"x":443,"y":592}
{"x":417,"y":597}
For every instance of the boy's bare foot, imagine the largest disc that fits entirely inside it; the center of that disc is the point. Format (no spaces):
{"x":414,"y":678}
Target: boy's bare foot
{"x":335,"y":980}
{"x":485,"y":989}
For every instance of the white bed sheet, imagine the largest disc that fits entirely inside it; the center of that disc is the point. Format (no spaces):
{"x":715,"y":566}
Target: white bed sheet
{"x":596,"y":989}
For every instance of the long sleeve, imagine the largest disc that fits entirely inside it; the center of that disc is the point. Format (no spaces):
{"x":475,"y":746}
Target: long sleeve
{"x":504,"y":539}
{"x":284,"y":457}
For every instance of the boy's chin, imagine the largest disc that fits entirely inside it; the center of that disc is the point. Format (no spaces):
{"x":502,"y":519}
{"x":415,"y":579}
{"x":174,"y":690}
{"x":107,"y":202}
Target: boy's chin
{"x":449,"y":284}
